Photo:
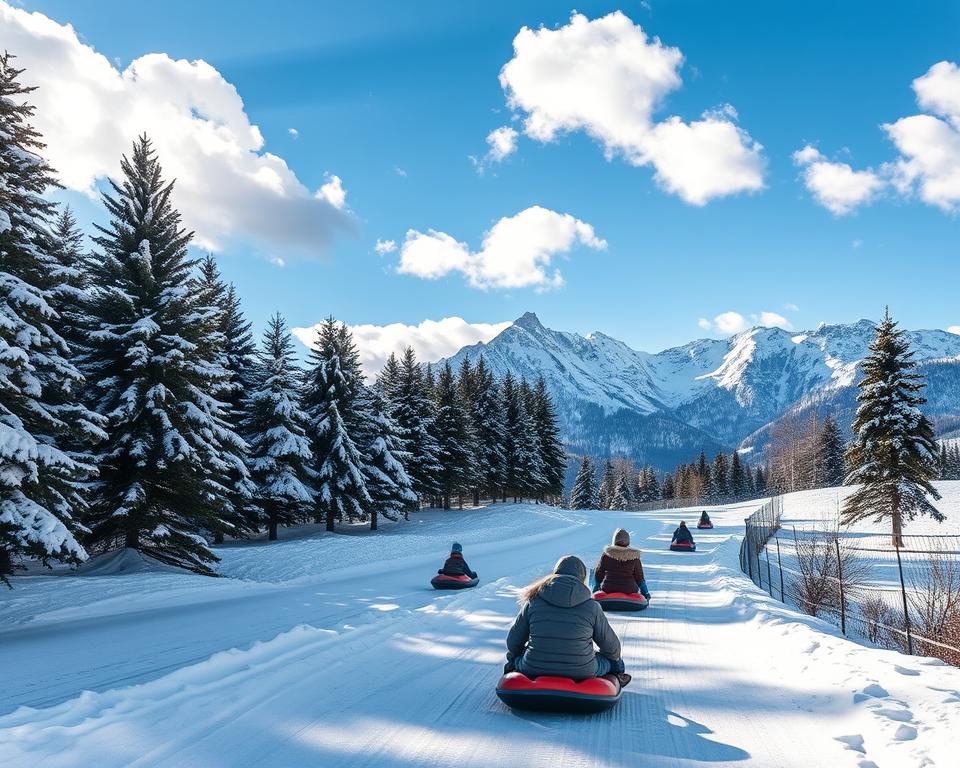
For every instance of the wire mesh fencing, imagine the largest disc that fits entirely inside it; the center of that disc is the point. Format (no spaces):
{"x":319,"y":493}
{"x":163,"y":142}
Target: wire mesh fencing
{"x":901,"y":597}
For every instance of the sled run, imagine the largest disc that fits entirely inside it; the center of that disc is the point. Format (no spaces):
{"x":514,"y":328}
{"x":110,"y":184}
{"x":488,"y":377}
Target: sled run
{"x":335,"y":651}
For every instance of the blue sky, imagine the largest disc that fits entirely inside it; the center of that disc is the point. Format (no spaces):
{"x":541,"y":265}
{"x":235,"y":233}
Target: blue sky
{"x":394,"y":99}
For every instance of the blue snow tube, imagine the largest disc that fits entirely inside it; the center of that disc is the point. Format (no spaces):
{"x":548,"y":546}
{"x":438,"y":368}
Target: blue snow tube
{"x":442,"y":581}
{"x":549,"y":693}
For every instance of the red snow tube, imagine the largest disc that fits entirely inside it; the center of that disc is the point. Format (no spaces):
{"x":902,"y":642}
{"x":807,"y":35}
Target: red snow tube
{"x":620,"y":601}
{"x":442,"y":581}
{"x":703,"y":526}
{"x":549,"y":693}
{"x":683,"y":546}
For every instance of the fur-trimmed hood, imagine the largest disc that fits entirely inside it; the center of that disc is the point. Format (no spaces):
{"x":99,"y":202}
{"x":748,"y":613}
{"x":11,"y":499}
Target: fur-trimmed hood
{"x":621,"y":553}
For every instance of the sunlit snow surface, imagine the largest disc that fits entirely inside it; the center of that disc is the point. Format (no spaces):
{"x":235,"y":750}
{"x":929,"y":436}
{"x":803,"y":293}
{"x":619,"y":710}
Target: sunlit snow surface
{"x":334,"y":651}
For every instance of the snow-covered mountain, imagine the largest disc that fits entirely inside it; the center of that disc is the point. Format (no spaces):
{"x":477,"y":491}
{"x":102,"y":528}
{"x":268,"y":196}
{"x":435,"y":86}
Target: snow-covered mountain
{"x":711,"y":393}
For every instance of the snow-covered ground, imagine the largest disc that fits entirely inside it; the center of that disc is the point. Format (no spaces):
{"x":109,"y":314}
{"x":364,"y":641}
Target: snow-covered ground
{"x":329,"y":651}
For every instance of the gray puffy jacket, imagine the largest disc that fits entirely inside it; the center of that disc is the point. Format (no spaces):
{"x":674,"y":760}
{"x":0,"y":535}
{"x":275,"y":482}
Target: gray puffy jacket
{"x":557,"y":630}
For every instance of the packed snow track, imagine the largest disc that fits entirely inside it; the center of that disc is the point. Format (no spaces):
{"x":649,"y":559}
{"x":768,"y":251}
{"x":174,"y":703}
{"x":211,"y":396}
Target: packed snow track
{"x":335,"y":651}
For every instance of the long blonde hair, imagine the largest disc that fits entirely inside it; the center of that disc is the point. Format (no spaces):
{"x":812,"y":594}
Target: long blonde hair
{"x":532,"y":590}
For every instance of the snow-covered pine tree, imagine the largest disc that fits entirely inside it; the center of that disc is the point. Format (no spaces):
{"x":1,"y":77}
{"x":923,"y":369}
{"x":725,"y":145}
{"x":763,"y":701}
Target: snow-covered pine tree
{"x":652,"y":484}
{"x":513,"y":440}
{"x":667,"y":488}
{"x":831,"y":468}
{"x":275,"y":426}
{"x":552,"y":455}
{"x":467,"y":386}
{"x":388,"y":378}
{"x":622,"y":498}
{"x":490,"y":427}
{"x":893,"y":452}
{"x":759,"y":482}
{"x":739,"y":483}
{"x":41,"y":419}
{"x":389,"y":485}
{"x":155,"y":373}
{"x":719,"y":478}
{"x":534,"y":475}
{"x":608,"y":486}
{"x":334,"y":426}
{"x":412,"y":412}
{"x":584,"y":493}
{"x":229,"y":340}
{"x":451,"y":429}
{"x":71,"y":278}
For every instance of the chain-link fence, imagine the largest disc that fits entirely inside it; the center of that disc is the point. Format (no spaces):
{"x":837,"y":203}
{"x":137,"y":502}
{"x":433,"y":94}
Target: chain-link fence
{"x":903,"y":597}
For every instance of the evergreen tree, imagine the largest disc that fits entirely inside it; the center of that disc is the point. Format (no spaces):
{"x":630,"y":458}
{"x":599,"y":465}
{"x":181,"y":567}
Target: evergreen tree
{"x":276,"y":427}
{"x":667,"y":489}
{"x":389,"y":485}
{"x":412,"y":412}
{"x":334,"y":424}
{"x":490,"y":427}
{"x":608,"y":486}
{"x":830,"y":463}
{"x":515,"y":443}
{"x":155,"y":373}
{"x":739,"y":478}
{"x":719,"y":478}
{"x":229,"y":341}
{"x":584,"y":493}
{"x":40,"y":415}
{"x":759,"y":482}
{"x":893,"y":453}
{"x":552,"y":456}
{"x":451,"y":429}
{"x":71,"y":282}
{"x":533,"y":482}
{"x":622,"y":498}
{"x":467,"y":386}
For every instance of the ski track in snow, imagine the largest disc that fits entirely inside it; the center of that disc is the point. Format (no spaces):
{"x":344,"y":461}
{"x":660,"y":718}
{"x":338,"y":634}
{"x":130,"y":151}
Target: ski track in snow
{"x":334,"y":651}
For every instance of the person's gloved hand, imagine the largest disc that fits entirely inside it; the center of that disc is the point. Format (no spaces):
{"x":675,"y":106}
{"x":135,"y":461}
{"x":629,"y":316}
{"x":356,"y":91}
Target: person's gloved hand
{"x":643,"y":590}
{"x":509,"y":667}
{"x":617,"y":666}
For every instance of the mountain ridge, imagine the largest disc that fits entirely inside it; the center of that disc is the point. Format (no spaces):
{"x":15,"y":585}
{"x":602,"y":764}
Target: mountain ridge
{"x":664,"y":407}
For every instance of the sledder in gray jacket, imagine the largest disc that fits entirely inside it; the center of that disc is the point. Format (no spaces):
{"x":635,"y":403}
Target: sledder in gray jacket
{"x":558,"y":624}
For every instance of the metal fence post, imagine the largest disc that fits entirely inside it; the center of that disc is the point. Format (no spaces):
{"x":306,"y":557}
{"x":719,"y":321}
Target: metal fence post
{"x":843,"y":604}
{"x":769,"y":578}
{"x":903,"y":594}
{"x":783,"y":597}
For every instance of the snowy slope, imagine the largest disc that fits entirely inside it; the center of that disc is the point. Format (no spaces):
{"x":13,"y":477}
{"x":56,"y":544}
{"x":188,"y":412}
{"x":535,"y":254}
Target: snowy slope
{"x":310,"y":656}
{"x":665,"y":407}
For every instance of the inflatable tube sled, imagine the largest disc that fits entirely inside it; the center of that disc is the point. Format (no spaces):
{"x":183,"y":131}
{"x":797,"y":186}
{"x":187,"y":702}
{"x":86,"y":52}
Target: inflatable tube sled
{"x":548,"y":693}
{"x":620,"y":601}
{"x":683,"y":546}
{"x":703,"y":526}
{"x":442,"y":581}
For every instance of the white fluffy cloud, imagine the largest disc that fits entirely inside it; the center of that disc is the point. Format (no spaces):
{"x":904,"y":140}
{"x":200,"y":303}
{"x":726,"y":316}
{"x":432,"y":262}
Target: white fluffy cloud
{"x":384,"y":247}
{"x":89,"y":113}
{"x":502,"y":142}
{"x":954,"y":329}
{"x":333,"y":192}
{"x":733,"y":322}
{"x":836,"y":186}
{"x":431,"y":339}
{"x":607,"y":78}
{"x":517,"y":252}
{"x":929,"y":145}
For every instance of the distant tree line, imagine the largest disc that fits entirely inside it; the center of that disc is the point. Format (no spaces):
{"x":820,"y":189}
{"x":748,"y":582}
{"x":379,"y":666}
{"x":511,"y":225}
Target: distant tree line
{"x":137,"y":411}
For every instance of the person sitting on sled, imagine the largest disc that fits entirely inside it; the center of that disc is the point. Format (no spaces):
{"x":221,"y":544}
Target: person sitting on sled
{"x":455,"y":565}
{"x":682,"y":535}
{"x":620,"y":569}
{"x":704,"y":518}
{"x":558,"y":624}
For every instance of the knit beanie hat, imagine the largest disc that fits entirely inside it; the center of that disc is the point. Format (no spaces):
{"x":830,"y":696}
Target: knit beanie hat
{"x":455,"y":547}
{"x":621,"y":538}
{"x":571,"y":565}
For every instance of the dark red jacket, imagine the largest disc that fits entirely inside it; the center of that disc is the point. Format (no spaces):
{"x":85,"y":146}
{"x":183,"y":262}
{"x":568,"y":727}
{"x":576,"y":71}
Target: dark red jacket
{"x":455,"y":565}
{"x":619,"y":570}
